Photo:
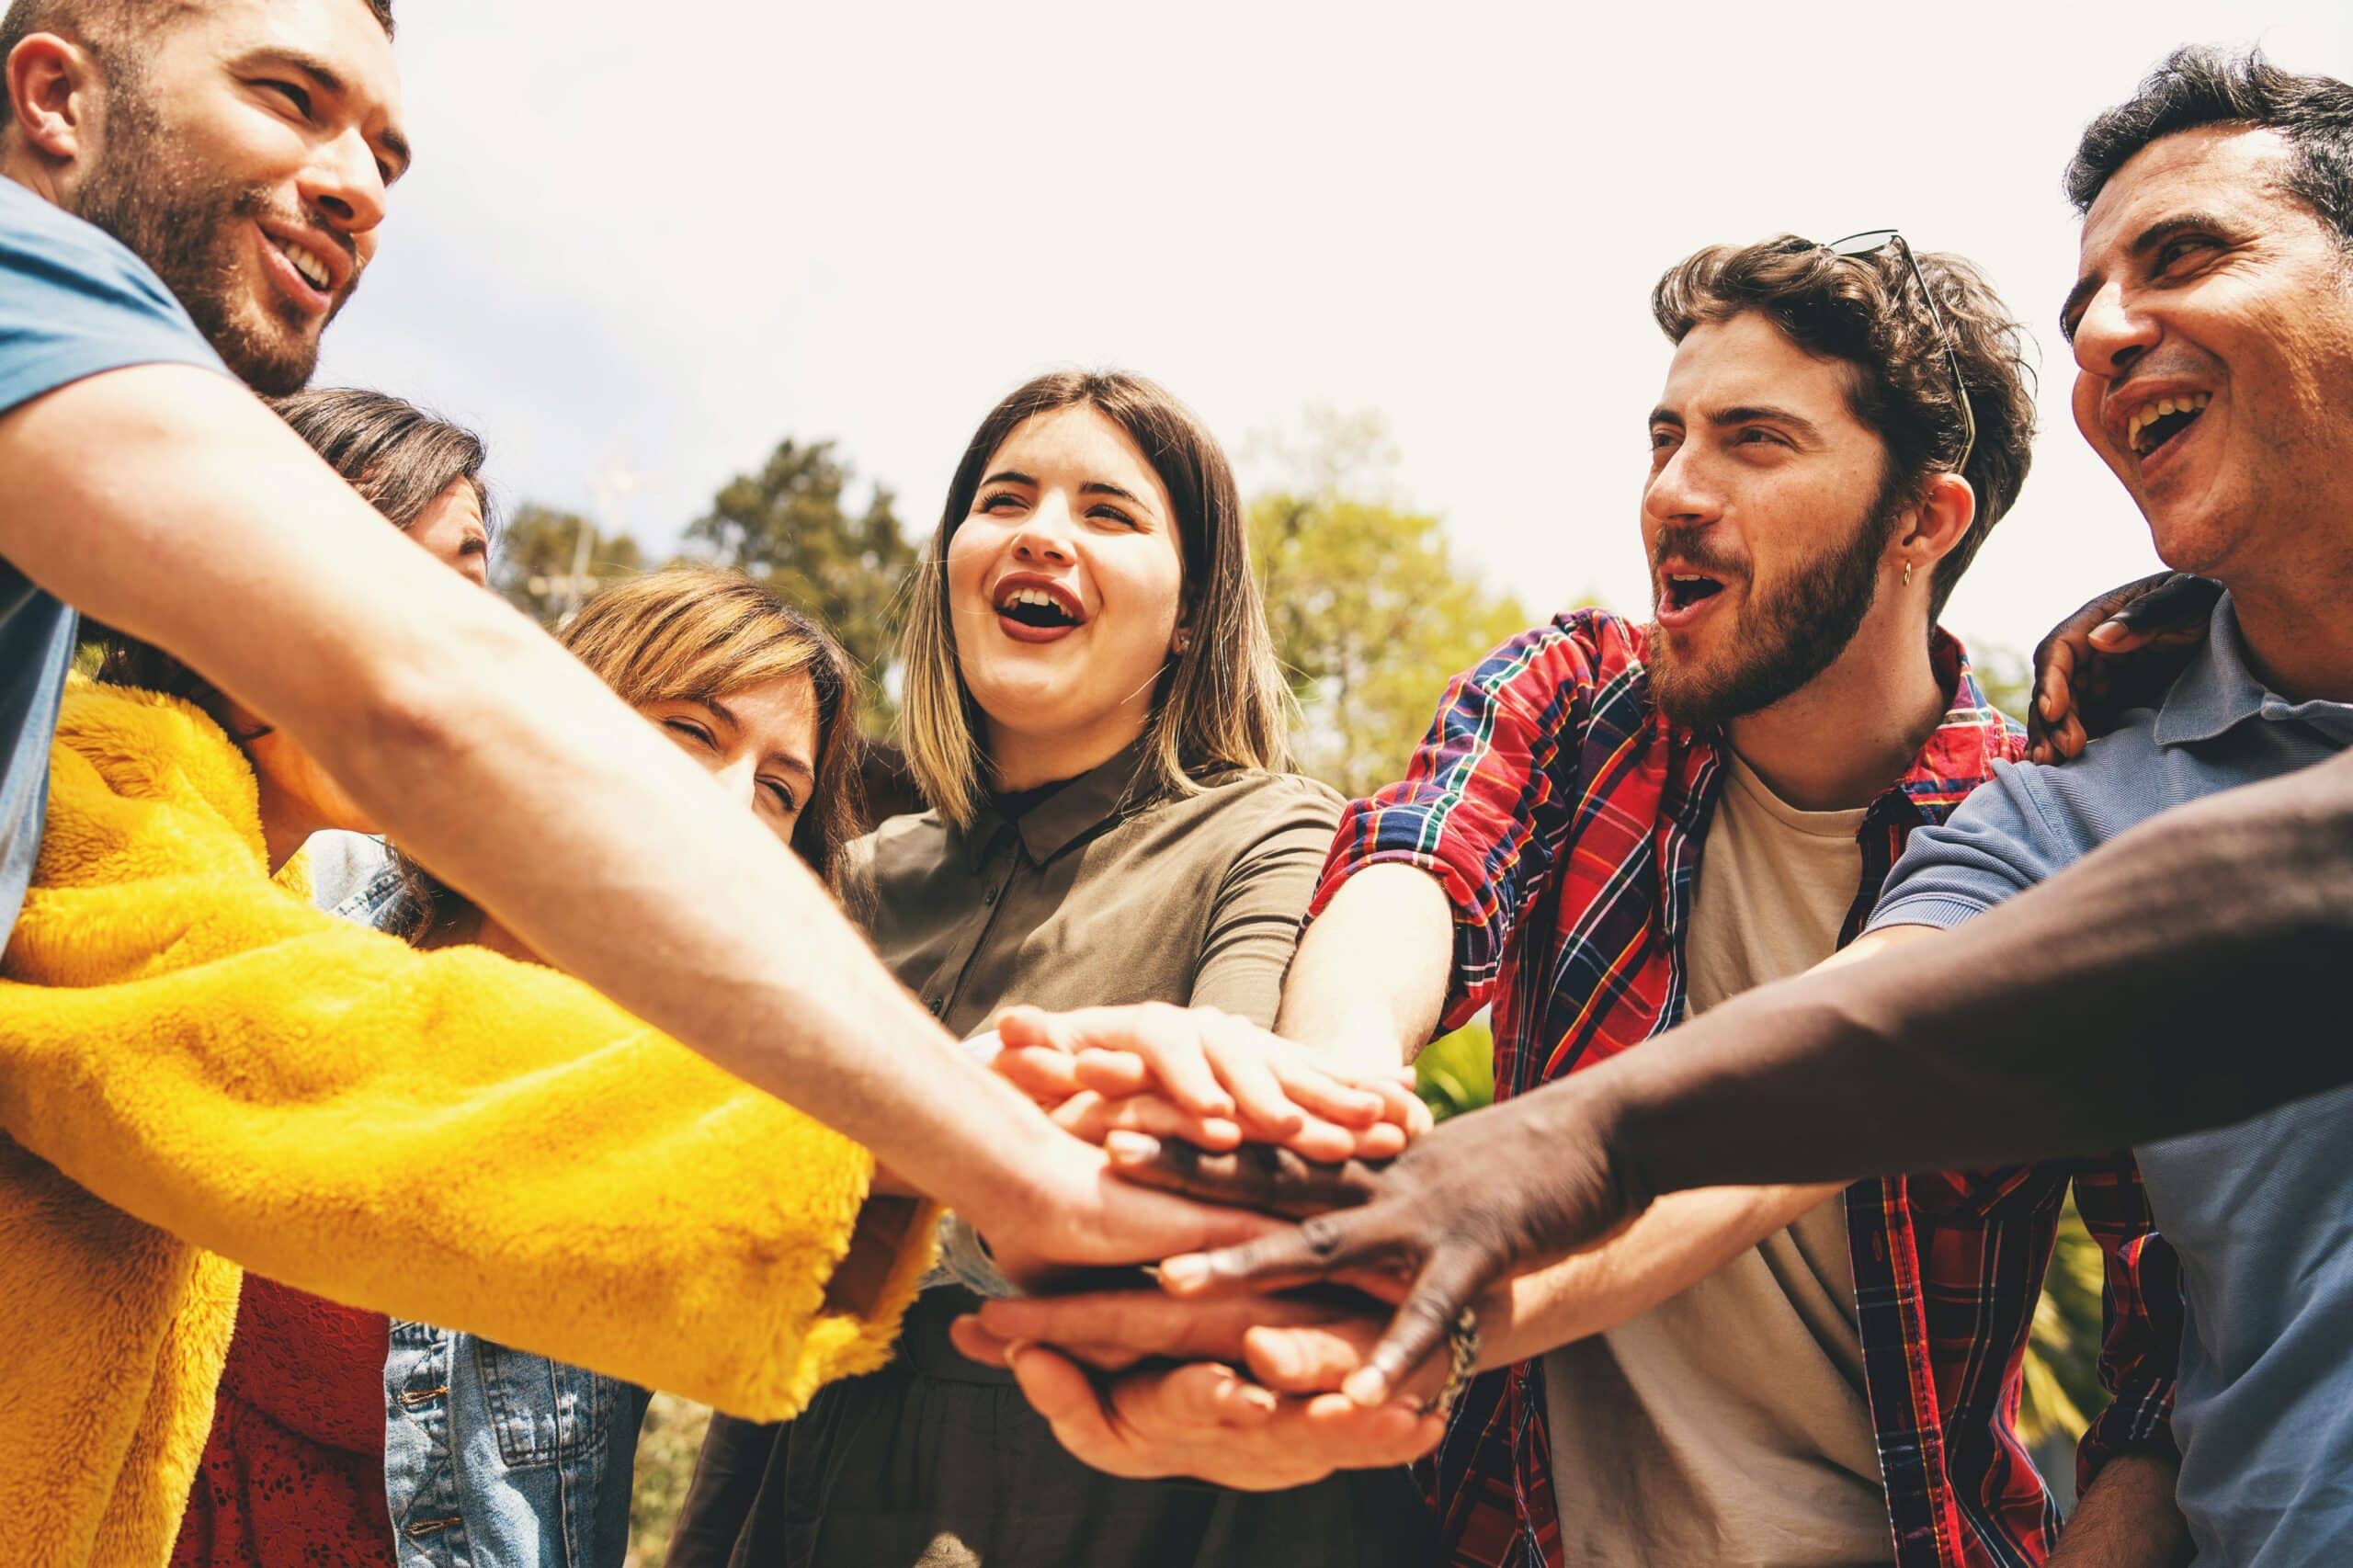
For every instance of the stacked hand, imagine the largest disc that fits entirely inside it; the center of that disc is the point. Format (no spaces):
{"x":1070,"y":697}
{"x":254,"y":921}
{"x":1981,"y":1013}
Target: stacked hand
{"x":1197,"y":1075}
{"x":1139,"y":1384}
{"x":1205,"y":1077}
{"x":1216,"y":1378}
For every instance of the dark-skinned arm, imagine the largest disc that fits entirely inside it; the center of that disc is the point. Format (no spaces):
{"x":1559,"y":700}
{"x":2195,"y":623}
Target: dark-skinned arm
{"x":2106,"y":1007}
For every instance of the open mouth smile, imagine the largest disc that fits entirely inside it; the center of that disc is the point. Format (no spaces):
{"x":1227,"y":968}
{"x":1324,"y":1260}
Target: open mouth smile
{"x":2158,"y":422}
{"x":1032,"y":610}
{"x":314,"y":271}
{"x":310,"y":274}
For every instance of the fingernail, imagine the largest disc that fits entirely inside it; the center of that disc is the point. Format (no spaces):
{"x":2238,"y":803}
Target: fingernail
{"x":1257,"y":1399}
{"x":1186,"y":1271}
{"x":1132,"y":1148}
{"x":1366,"y":1386}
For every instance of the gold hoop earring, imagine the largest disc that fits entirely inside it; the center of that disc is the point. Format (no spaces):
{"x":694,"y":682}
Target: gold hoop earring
{"x":1907,"y":574}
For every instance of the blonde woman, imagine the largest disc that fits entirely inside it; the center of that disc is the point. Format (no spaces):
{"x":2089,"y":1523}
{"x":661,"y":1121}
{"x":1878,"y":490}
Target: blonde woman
{"x":1094,"y":708}
{"x":495,"y":1457}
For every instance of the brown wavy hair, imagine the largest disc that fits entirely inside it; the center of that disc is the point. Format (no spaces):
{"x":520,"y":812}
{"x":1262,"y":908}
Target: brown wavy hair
{"x":698,"y":632}
{"x":1221,"y":703}
{"x":1866,"y":312}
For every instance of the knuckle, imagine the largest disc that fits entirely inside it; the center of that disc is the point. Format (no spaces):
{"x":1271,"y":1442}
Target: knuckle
{"x":1325,"y":1237}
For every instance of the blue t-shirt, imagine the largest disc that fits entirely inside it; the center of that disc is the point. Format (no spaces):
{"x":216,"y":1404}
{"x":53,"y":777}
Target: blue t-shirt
{"x":72,"y":302}
{"x":2259,"y":1213}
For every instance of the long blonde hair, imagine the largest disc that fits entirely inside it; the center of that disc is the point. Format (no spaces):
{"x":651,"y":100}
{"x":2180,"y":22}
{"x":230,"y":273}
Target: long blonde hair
{"x":1221,"y":702}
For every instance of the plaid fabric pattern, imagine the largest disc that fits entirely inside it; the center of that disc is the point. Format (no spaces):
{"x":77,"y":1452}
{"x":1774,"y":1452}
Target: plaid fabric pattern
{"x":1564,"y":818}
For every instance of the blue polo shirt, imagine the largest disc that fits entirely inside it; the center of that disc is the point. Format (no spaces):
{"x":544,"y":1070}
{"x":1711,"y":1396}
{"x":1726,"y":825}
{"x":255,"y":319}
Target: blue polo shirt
{"x":72,"y":302}
{"x":2261,"y":1213}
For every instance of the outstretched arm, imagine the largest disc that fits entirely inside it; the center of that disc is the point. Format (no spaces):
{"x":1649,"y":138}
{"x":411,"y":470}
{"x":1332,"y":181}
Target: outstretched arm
{"x":2116,"y":979}
{"x":164,"y":500}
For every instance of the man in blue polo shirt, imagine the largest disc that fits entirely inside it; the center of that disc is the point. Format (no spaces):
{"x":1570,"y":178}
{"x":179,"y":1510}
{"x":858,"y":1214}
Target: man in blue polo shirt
{"x":2212,"y":327}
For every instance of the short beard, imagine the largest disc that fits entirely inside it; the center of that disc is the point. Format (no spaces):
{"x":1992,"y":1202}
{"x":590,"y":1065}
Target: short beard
{"x":1784,"y":641}
{"x":182,"y":222}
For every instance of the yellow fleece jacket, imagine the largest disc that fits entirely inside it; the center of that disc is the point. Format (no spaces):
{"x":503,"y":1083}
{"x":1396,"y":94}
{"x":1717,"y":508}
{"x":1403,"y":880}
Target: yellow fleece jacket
{"x":196,"y":1067}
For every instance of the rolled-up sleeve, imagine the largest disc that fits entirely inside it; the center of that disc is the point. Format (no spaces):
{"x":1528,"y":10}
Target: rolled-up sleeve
{"x":2140,"y":1304}
{"x":1486,"y":795}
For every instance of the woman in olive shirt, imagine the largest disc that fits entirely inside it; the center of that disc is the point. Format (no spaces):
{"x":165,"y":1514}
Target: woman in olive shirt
{"x":1093,"y":707}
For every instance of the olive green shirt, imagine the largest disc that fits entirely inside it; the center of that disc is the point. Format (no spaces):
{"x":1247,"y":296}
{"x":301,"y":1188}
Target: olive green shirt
{"x":1105,"y":892}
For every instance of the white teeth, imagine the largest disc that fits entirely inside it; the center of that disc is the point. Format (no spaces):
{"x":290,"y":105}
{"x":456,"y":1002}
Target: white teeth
{"x":1027,"y":596}
{"x":2155,"y":409}
{"x":312,"y":269}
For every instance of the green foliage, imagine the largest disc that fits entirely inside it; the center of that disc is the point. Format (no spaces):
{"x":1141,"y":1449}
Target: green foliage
{"x":2007,"y":676}
{"x":1371,"y":610}
{"x":791,"y":526}
{"x":2063,"y":1387}
{"x":547,"y":561}
{"x":1456,"y":1072}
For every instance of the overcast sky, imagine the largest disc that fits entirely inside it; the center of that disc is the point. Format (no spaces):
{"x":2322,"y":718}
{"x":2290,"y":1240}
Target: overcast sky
{"x":650,"y":241}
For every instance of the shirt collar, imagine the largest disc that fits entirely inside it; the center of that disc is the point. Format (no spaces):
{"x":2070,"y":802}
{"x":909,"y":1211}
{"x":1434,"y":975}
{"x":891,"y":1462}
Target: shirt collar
{"x":2217,"y":692}
{"x":1958,"y":755}
{"x":1973,"y":735}
{"x":1078,"y":808}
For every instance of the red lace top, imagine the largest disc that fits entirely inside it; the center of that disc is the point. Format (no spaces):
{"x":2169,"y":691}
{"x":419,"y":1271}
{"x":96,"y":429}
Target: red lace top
{"x":294,"y":1470}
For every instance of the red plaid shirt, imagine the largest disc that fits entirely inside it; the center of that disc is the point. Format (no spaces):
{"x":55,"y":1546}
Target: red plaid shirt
{"x":1565,"y":819}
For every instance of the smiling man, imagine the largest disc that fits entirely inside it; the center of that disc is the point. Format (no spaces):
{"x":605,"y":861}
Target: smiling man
{"x":190,"y":186}
{"x":2213,"y":324}
{"x":1612,"y":827}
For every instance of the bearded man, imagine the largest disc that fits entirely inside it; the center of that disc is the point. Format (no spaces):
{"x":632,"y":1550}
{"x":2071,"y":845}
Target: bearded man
{"x":195,"y":187}
{"x":1611,"y":827}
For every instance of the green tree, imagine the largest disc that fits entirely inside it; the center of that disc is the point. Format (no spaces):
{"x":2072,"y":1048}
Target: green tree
{"x":547,"y":561}
{"x":2007,"y":676}
{"x":1371,"y":611}
{"x":791,"y":526}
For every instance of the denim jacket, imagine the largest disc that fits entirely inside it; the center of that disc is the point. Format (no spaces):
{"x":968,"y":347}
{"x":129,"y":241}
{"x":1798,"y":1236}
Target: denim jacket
{"x":497,"y":1458}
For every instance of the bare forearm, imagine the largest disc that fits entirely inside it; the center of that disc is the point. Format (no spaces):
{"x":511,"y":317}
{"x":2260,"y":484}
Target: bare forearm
{"x":168,"y":502}
{"x":1680,"y":1240}
{"x":1371,"y":974}
{"x":2128,"y":1518}
{"x":2084,"y":1015}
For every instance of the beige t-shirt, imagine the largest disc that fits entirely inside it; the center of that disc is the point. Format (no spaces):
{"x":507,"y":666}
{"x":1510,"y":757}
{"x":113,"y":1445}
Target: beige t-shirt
{"x":1728,"y":1426}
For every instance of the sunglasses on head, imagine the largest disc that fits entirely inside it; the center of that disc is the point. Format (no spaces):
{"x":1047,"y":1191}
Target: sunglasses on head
{"x":1870,"y":242}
